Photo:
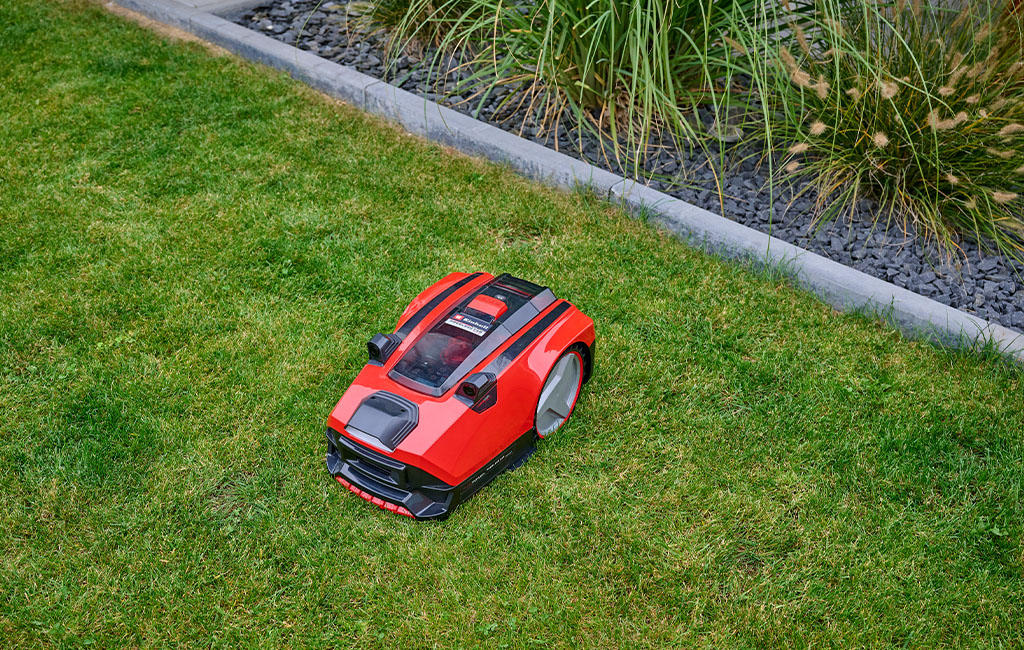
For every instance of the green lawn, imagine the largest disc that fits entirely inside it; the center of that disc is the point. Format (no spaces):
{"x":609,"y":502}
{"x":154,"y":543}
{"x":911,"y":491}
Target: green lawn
{"x":193,"y":252}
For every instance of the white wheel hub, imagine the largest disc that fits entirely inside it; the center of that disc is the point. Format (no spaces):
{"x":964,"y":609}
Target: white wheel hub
{"x":559,"y":394}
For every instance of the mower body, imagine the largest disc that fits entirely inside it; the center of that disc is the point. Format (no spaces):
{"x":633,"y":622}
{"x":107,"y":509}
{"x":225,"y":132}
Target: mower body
{"x":448,"y":400}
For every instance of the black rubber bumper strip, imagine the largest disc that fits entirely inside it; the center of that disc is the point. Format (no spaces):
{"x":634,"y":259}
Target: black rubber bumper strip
{"x":415,"y":319}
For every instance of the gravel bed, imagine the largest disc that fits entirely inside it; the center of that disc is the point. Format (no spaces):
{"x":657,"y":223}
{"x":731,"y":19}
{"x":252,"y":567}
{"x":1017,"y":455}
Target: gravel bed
{"x":988,"y":286}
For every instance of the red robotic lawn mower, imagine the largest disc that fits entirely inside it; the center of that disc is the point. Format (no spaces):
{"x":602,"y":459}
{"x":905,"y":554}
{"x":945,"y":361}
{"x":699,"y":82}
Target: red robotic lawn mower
{"x":478,"y":369}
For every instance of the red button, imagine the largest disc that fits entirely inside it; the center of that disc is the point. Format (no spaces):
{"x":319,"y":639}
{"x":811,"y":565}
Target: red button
{"x":488,"y":305}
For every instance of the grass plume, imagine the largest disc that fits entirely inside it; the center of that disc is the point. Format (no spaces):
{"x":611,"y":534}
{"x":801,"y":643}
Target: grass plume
{"x":918,"y":144}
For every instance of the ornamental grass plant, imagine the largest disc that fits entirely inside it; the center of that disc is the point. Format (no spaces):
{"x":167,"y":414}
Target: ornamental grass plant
{"x":918,"y":107}
{"x":420,"y":23}
{"x":626,"y":68}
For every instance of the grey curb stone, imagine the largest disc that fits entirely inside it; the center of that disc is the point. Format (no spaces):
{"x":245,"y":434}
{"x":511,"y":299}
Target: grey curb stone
{"x":844,"y":288}
{"x":255,"y":47}
{"x":531,"y":159}
{"x":218,"y":6}
{"x":344,"y":83}
{"x":164,"y":11}
{"x":840,"y":286}
{"x":451,"y":128}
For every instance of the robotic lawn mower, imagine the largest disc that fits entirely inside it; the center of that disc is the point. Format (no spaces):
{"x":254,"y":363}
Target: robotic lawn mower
{"x":479,"y":368}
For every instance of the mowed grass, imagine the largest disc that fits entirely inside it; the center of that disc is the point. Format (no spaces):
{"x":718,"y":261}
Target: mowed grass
{"x":193,"y":252}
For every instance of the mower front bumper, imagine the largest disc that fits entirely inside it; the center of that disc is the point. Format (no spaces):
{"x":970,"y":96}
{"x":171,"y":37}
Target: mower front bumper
{"x":386,"y":482}
{"x":406,"y":490}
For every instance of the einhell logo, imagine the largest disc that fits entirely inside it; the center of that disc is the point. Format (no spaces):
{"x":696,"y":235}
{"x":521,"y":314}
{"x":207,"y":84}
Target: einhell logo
{"x":469,"y":323}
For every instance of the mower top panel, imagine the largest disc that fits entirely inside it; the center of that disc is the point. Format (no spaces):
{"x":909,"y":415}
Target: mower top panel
{"x":468,"y":333}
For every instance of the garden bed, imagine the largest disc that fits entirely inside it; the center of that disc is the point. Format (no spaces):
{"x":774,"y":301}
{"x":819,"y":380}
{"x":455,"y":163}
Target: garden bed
{"x":976,"y":282}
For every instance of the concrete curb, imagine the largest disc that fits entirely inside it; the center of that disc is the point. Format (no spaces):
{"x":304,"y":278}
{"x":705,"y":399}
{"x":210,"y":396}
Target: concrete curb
{"x":840,"y":286}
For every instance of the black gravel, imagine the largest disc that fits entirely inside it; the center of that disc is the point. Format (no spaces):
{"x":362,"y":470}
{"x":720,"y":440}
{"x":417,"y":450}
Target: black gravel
{"x":988,"y":286}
